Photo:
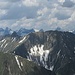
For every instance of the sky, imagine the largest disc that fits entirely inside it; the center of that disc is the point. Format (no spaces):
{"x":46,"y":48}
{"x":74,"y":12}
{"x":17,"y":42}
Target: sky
{"x":37,"y":14}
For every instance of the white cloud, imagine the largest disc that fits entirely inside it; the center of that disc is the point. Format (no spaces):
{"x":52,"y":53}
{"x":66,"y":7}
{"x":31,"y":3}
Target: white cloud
{"x":30,"y":3}
{"x":4,"y":5}
{"x":61,"y":1}
{"x":3,"y":12}
{"x":42,"y":11}
{"x":41,"y":14}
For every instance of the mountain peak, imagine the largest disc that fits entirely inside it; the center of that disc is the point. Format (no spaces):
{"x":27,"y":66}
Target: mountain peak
{"x":14,"y":34}
{"x":23,"y":31}
{"x":58,"y":29}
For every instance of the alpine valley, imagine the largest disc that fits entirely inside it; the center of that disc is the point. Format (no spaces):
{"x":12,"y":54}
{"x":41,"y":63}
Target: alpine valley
{"x":37,"y":53}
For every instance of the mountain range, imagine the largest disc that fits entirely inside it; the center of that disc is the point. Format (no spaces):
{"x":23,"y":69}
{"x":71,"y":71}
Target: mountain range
{"x":60,"y":29}
{"x":24,"y":31}
{"x":20,"y":32}
{"x":53,"y":50}
{"x":5,"y":31}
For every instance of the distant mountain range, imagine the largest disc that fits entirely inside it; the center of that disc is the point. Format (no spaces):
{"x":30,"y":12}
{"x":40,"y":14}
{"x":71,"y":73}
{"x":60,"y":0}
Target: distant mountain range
{"x":24,"y":31}
{"x":73,"y":31}
{"x":20,"y":32}
{"x":5,"y":31}
{"x":60,"y":29}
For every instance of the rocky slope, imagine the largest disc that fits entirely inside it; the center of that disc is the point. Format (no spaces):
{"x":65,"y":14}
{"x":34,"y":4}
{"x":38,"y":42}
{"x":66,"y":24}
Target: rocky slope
{"x":16,"y":65}
{"x":54,"y":50}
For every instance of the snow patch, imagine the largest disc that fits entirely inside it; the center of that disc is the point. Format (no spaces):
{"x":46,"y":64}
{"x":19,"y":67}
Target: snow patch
{"x":21,"y":64}
{"x":71,"y":31}
{"x":22,"y":40}
{"x":36,"y":30}
{"x":18,"y":63}
{"x":58,"y":53}
{"x":13,"y":39}
{"x":47,"y":38}
{"x":2,"y":40}
{"x":46,"y":55}
{"x":70,"y":58}
{"x":29,"y":58}
{"x":51,"y":68}
{"x":14,"y":52}
{"x":38,"y":50}
{"x":46,"y":66}
{"x":17,"y":45}
{"x":5,"y":45}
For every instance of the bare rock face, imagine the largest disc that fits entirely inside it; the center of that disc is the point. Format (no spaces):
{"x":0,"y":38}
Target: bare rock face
{"x":16,"y":65}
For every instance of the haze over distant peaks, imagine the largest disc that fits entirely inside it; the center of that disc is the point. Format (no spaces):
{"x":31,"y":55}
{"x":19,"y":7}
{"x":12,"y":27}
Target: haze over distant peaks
{"x":20,"y":32}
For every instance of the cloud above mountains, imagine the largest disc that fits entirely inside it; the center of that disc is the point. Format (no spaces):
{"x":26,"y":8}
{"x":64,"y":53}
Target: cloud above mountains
{"x":39,"y":14}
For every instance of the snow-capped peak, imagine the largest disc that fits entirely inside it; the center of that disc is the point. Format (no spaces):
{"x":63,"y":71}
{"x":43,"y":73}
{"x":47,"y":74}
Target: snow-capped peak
{"x":36,"y":30}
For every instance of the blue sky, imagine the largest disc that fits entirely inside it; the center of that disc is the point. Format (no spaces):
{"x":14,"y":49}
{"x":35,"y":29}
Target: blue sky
{"x":37,"y":14}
